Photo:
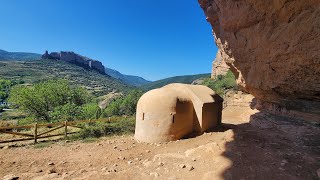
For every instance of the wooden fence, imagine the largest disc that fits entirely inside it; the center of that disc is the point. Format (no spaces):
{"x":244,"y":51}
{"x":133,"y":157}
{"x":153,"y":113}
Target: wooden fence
{"x":36,"y":134}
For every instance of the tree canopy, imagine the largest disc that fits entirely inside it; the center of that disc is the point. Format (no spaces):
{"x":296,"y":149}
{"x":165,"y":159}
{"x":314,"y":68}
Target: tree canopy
{"x":42,"y":99}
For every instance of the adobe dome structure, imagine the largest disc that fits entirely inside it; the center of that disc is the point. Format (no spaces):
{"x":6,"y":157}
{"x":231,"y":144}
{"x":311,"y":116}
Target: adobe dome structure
{"x":175,"y":111}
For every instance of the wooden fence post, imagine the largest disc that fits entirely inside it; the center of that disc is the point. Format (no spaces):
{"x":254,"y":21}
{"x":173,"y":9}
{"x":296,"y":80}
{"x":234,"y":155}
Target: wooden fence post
{"x":35,"y":132}
{"x":65,"y":129}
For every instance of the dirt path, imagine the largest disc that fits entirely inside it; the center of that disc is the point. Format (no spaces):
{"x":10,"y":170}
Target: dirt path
{"x":245,"y":147}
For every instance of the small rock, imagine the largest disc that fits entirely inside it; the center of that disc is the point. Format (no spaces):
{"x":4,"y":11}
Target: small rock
{"x":112,"y":170}
{"x":121,"y":158}
{"x":67,"y":141}
{"x":104,"y":169}
{"x":39,"y":171}
{"x":154,"y":174}
{"x":129,"y":162}
{"x":182,"y":166}
{"x":115,"y":165}
{"x":148,"y":151}
{"x":115,"y":147}
{"x":161,"y":164}
{"x":190,"y":168}
{"x":5,"y":147}
{"x":10,"y":177}
{"x":83,"y":171}
{"x":50,"y":163}
{"x":194,"y":159}
{"x":63,"y":162}
{"x":51,"y":171}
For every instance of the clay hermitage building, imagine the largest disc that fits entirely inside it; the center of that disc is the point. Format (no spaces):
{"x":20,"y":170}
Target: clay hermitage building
{"x":176,"y":110}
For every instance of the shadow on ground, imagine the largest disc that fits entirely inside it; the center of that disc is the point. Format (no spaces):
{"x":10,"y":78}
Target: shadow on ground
{"x":271,"y":147}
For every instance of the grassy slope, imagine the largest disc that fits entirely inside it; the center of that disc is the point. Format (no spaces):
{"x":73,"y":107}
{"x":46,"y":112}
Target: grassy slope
{"x":177,"y":79}
{"x":39,"y":70}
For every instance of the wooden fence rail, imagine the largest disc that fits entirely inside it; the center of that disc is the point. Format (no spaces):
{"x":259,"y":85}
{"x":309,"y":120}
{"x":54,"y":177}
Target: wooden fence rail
{"x":41,"y":135}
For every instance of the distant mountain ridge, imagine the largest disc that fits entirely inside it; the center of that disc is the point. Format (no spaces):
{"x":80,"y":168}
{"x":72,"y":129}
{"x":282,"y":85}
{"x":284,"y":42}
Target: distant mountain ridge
{"x":188,"y":79}
{"x":36,"y":71}
{"x":18,"y":56}
{"x":128,"y":79}
{"x":77,"y":59}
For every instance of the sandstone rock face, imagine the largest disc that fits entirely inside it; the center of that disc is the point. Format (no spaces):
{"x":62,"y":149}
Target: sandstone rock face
{"x":219,"y":66}
{"x":273,"y":49}
{"x":77,"y":59}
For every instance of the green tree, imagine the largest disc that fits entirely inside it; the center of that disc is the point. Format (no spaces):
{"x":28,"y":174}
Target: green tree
{"x":91,"y":111}
{"x":67,"y":112}
{"x":125,"y":105}
{"x":5,"y":86}
{"x":44,"y":98}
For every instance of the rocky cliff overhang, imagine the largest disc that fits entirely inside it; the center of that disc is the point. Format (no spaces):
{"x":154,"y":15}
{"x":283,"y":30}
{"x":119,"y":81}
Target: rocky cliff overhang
{"x":76,"y":59}
{"x":273,"y":48}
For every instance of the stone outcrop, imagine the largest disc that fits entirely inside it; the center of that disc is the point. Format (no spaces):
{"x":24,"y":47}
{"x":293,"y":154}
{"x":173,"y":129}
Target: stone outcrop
{"x":77,"y":59}
{"x":273,"y":49}
{"x":219,"y":66}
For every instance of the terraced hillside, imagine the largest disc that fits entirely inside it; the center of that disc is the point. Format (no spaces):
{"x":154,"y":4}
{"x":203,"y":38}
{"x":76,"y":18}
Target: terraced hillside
{"x":38,"y":70}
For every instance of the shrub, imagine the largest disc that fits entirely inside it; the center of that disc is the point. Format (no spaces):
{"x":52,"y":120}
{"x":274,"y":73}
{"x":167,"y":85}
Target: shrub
{"x":49,"y":99}
{"x":67,"y":112}
{"x":124,"y":105}
{"x":221,"y":83}
{"x":91,"y":111}
{"x":5,"y":86}
{"x":99,"y":129}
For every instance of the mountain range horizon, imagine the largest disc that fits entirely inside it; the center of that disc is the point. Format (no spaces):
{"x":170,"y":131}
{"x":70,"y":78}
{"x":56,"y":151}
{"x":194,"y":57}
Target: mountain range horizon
{"x":134,"y":80}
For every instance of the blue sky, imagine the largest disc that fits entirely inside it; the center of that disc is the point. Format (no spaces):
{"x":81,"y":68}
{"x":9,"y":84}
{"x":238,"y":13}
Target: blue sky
{"x":152,"y":39}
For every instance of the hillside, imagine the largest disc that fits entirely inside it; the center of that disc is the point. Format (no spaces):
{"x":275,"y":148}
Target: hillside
{"x":188,"y":79}
{"x":39,"y":70}
{"x":128,"y":79}
{"x":18,"y":56}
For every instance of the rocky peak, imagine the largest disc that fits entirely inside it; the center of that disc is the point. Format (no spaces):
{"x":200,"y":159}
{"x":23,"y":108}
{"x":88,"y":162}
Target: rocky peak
{"x":219,"y":66}
{"x":73,"y":58}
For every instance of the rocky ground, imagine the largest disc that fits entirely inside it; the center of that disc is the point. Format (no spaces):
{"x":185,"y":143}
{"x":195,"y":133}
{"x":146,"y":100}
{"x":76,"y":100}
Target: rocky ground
{"x":249,"y":145}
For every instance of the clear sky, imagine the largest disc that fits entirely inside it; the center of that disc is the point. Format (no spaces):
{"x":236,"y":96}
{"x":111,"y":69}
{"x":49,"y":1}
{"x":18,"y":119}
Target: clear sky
{"x":152,"y":39}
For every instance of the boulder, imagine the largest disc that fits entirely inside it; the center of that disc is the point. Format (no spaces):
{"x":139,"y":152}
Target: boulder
{"x":273,"y":49}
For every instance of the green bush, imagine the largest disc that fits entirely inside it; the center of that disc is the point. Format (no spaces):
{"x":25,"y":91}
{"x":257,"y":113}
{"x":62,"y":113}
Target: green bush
{"x":5,"y":86}
{"x":99,"y":129}
{"x":50,"y":99}
{"x":221,"y":83}
{"x":67,"y":112}
{"x":124,"y":105}
{"x":91,"y":111}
